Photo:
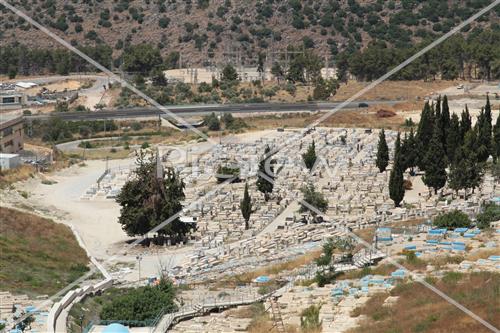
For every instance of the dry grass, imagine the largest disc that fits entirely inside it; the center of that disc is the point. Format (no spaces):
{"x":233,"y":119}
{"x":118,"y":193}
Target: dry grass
{"x":364,"y":119}
{"x":38,"y":256}
{"x":418,"y":309}
{"x":23,"y":172}
{"x":392,"y":90}
{"x":274,"y":269}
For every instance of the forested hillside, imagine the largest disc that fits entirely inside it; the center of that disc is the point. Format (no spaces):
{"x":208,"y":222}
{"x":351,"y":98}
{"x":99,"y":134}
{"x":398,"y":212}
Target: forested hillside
{"x":370,"y":34}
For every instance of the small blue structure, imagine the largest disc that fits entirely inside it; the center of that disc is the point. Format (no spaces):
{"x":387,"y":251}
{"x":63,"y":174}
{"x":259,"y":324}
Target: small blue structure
{"x":410,"y":247}
{"x":494,"y":258}
{"x":384,"y":234}
{"x":460,"y":230}
{"x":116,"y":328}
{"x":337,"y":292}
{"x":399,"y":274}
{"x":262,"y":279}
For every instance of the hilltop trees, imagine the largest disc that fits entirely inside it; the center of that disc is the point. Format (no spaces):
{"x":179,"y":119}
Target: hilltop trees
{"x":382,"y":152}
{"x":151,"y":197}
{"x":496,"y":140}
{"x":246,"y":206}
{"x":396,"y":181}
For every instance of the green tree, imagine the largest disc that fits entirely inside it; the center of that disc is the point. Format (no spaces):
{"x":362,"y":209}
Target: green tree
{"x":315,"y":201}
{"x":474,"y":166}
{"x":396,"y":181}
{"x":212,"y":122}
{"x":229,"y":74}
{"x":490,"y":213}
{"x":453,"y":140}
{"x":277,"y":71}
{"x":496,"y":140}
{"x":151,"y":197}
{"x":435,"y":163}
{"x":382,"y":160}
{"x":465,"y":122}
{"x":424,"y":134}
{"x":484,"y":132}
{"x":141,"y":58}
{"x":409,"y":152}
{"x":451,"y":220}
{"x":309,"y":157}
{"x":142,"y":304}
{"x":246,"y":206}
{"x":265,"y":176}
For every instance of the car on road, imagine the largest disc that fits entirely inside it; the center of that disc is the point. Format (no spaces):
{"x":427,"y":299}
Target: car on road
{"x":362,"y":105}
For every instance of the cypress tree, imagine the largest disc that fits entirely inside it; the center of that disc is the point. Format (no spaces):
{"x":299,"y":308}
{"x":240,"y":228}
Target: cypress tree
{"x":458,"y":171}
{"x":424,"y":134}
{"x":496,"y":140}
{"x":453,"y":140}
{"x":309,"y":157}
{"x":382,"y":152}
{"x":484,"y":132}
{"x":474,"y":166}
{"x":435,"y":164}
{"x":465,"y":122}
{"x":246,"y":206}
{"x":411,"y":154}
{"x":444,"y":121}
{"x":396,"y":181}
{"x":265,"y":183}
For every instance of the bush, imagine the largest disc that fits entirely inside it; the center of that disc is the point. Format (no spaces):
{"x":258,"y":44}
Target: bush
{"x":453,"y":219}
{"x":141,"y":304}
{"x":309,"y":318}
{"x":491,"y":213}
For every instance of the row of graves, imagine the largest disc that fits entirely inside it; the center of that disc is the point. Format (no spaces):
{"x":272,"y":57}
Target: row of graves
{"x":356,"y":191}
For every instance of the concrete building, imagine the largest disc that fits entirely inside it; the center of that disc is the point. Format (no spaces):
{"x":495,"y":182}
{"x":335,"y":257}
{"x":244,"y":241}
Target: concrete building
{"x":11,"y":99}
{"x":11,"y":134}
{"x":9,"y":161}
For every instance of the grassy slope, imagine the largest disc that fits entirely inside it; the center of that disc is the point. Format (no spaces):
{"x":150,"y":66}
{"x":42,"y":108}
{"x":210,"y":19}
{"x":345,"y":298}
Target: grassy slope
{"x":420,"y":310}
{"x":38,"y":256}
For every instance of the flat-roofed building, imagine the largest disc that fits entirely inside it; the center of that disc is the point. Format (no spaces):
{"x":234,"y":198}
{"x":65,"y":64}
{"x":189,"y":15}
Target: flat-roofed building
{"x":11,"y":99}
{"x":11,"y":134}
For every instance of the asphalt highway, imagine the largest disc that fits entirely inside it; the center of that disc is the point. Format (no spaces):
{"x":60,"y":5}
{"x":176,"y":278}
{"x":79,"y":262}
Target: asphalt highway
{"x":202,"y":110}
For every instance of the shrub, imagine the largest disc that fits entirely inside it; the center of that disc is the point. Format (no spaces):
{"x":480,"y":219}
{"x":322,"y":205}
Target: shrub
{"x":309,"y":318}
{"x":453,"y":219}
{"x":491,"y":213}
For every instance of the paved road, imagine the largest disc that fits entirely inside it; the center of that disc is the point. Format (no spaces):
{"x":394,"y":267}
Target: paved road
{"x":201,"y":110}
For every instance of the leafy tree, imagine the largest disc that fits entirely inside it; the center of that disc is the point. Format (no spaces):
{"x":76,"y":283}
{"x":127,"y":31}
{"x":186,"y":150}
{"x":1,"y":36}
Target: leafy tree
{"x":451,"y":220}
{"x":435,"y":163}
{"x":246,"y":206}
{"x":141,"y":304}
{"x":158,"y":78}
{"x":260,"y":66}
{"x":265,"y":176}
{"x":396,"y":181}
{"x":309,"y":157}
{"x":382,"y":160}
{"x":309,"y":319}
{"x":141,"y":58}
{"x":490,"y":213}
{"x":229,"y":74}
{"x":212,"y":122}
{"x":151,"y":197}
{"x":314,"y":200}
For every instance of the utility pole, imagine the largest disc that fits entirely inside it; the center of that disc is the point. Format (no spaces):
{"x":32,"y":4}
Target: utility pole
{"x":139,"y":259}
